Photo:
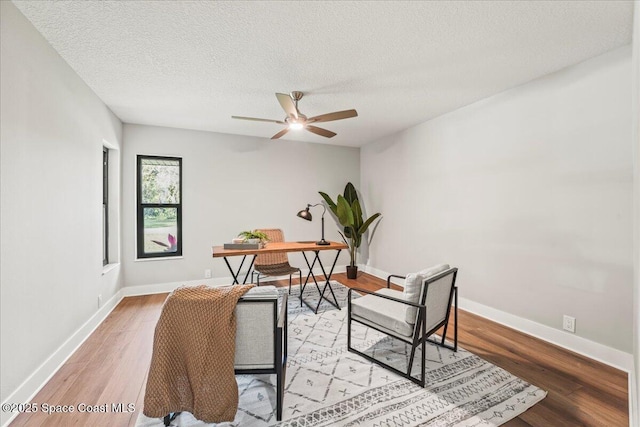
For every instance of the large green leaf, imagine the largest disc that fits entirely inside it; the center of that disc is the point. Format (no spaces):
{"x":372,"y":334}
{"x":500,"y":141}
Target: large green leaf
{"x":367,"y":223}
{"x":344,"y":213}
{"x":350,"y":193}
{"x":357,"y":214}
{"x":347,"y":232}
{"x":330,"y":202}
{"x":352,"y":233}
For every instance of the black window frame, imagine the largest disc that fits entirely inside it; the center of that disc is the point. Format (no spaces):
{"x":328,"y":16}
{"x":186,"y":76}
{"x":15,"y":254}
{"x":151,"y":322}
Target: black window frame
{"x":105,"y":206}
{"x":141,"y":206}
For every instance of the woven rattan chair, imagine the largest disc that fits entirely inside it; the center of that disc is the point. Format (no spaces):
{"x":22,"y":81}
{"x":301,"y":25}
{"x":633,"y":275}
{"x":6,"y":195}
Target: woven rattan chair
{"x":274,"y":264}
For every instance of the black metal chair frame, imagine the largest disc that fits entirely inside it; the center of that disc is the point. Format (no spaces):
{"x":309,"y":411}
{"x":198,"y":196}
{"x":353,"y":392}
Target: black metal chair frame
{"x":280,"y":354}
{"x":420,"y":335}
{"x":259,"y":274}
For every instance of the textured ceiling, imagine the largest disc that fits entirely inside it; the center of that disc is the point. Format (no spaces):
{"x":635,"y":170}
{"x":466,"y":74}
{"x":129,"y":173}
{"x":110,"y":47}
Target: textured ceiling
{"x":194,"y":64}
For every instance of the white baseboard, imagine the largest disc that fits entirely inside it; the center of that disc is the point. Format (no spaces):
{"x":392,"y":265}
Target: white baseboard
{"x":634,"y":399}
{"x":158,"y":288}
{"x":593,"y":350}
{"x":377,"y":272}
{"x":32,"y":385}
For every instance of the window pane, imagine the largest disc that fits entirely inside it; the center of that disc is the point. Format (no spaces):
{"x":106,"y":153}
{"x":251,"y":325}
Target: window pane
{"x":160,"y":230}
{"x":160,"y":181}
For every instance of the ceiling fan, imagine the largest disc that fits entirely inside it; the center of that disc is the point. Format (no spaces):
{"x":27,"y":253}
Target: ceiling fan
{"x":296,"y":120}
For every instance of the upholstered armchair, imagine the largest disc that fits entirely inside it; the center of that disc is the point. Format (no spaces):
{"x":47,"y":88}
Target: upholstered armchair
{"x":261,"y":337}
{"x":411,"y":316}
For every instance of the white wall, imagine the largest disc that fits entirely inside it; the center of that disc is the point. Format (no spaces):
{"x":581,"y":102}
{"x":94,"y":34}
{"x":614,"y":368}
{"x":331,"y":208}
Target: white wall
{"x":528,"y":192}
{"x":52,"y":131}
{"x":233,"y":183}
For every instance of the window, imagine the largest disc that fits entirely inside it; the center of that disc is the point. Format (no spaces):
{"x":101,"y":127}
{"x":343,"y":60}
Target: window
{"x":105,"y":206}
{"x":159,"y":215}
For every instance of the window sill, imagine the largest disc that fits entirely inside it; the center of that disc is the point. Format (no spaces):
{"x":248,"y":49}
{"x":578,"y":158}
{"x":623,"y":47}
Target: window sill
{"x":107,"y":268}
{"x":168,"y":258}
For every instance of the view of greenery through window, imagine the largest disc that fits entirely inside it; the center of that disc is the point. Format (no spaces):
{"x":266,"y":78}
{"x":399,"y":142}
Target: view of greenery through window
{"x":159,"y":202}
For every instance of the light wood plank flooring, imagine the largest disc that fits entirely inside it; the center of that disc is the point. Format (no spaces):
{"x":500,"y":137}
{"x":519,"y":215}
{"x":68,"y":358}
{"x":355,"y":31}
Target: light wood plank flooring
{"x":111,"y":367}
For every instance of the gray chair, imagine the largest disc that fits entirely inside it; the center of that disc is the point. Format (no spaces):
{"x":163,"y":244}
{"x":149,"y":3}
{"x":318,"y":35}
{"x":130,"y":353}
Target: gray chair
{"x":411,"y":316}
{"x":261,"y":337}
{"x":274,"y":264}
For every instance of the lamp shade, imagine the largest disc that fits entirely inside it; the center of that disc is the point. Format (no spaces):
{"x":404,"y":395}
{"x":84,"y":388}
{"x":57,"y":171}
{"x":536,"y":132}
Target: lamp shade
{"x":305,"y":214}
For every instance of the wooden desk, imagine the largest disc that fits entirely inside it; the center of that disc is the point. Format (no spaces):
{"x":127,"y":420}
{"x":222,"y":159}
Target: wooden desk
{"x":220,"y":252}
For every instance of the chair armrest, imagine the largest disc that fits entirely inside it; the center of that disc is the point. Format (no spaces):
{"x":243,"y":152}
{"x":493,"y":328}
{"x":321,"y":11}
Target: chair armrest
{"x":393,"y":275}
{"x":283,"y":311}
{"x":401,"y":301}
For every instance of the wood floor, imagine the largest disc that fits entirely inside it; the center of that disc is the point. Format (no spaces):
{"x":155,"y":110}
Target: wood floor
{"x":111,"y":366}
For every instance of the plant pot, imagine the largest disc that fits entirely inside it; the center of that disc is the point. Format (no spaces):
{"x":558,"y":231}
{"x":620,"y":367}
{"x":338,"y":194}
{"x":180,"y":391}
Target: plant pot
{"x":352,"y":272}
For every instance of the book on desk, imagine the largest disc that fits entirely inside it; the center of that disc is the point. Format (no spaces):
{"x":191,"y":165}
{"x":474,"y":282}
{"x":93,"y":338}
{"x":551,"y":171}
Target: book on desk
{"x":241,"y":246}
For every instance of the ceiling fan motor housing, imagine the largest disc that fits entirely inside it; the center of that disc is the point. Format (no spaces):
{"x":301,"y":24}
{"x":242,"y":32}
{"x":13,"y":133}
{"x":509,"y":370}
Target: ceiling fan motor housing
{"x":296,"y":120}
{"x":301,"y":118}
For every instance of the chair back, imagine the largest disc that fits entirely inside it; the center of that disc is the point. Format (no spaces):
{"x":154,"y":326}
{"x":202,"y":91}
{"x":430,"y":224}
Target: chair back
{"x":437,"y":294}
{"x":274,"y":235}
{"x":256,"y":315}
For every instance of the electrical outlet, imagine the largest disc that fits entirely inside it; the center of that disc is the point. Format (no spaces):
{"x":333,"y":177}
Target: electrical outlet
{"x":207,"y":273}
{"x":569,"y":323}
{"x":99,"y":300}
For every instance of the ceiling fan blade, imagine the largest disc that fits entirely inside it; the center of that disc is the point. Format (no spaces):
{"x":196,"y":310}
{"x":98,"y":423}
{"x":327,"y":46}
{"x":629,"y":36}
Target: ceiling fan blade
{"x":337,"y":115}
{"x":279,"y":134}
{"x":320,"y":131}
{"x":258,"y":120}
{"x":287,"y":105}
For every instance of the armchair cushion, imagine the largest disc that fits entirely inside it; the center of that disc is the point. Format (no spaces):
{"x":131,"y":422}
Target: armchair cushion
{"x":413,"y":289}
{"x":383,"y":312}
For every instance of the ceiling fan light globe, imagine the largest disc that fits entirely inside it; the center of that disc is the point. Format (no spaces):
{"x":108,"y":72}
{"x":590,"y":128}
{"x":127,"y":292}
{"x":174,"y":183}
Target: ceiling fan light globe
{"x":295,"y":126}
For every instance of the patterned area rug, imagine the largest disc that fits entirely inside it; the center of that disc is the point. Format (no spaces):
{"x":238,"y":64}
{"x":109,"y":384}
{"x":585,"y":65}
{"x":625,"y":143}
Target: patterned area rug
{"x":328,"y":386}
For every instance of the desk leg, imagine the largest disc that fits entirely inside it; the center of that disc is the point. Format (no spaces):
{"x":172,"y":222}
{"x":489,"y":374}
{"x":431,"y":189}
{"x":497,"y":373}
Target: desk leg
{"x":326,"y":283}
{"x":310,"y":274}
{"x":236,"y":274}
{"x":248,"y":270}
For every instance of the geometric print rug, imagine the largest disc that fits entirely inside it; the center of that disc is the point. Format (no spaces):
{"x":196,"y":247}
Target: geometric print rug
{"x":328,"y":386}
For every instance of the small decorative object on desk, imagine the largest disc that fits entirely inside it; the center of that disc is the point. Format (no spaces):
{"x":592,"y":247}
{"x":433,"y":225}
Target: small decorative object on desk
{"x":248,"y":240}
{"x":242,"y":246}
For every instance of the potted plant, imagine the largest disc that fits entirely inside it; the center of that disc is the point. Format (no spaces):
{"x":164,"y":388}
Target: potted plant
{"x":254,"y":236}
{"x":348,"y":212}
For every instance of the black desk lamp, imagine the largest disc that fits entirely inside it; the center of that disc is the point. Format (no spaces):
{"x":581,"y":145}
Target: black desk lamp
{"x":305,"y":214}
